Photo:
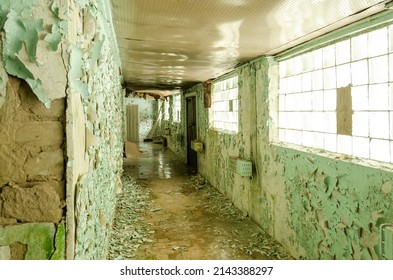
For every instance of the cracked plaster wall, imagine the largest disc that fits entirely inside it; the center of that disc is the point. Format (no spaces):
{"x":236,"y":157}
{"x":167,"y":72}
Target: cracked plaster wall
{"x":317,"y":206}
{"x":95,"y":129}
{"x":32,"y":79}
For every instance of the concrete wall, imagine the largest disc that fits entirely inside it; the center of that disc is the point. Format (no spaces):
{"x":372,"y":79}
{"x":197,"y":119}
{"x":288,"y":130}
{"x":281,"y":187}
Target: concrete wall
{"x":316,"y":205}
{"x":32,"y":178}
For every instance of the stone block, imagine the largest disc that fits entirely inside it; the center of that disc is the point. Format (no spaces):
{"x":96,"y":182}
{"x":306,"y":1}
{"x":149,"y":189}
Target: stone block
{"x":57,"y":108}
{"x":18,"y":251}
{"x":58,"y":187}
{"x":8,"y":221}
{"x":59,"y":253}
{"x":5,"y":253}
{"x":46,"y":164}
{"x":11,"y":165}
{"x":39,"y":238}
{"x":40,"y":134}
{"x":37,"y":204}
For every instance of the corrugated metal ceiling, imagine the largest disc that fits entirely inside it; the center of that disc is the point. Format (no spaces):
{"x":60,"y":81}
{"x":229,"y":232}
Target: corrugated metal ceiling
{"x":167,"y":45}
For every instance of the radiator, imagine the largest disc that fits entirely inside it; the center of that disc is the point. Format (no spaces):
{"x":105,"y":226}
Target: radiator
{"x":240,"y":166}
{"x":197,"y":145}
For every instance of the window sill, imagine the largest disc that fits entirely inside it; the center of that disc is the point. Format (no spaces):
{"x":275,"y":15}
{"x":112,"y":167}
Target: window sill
{"x":385,"y":166}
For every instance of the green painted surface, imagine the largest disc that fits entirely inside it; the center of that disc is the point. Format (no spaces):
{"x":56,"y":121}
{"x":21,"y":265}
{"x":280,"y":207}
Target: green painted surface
{"x":38,"y":237}
{"x":21,"y":30}
{"x":58,"y":29}
{"x":94,"y":75}
{"x":336,"y":207}
{"x":317,"y":206}
{"x":59,"y":253}
{"x":77,"y":73}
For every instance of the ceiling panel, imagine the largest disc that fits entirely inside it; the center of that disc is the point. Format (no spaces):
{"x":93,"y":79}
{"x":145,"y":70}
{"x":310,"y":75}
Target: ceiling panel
{"x":174,"y":44}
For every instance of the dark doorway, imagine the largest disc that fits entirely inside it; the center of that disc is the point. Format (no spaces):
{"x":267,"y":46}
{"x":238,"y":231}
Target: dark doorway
{"x":192,"y":157}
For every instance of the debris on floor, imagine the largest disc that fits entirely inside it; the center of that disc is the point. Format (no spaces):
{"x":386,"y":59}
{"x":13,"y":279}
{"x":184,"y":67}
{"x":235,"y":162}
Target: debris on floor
{"x":259,"y":242}
{"x":129,"y":230}
{"x":211,"y":228}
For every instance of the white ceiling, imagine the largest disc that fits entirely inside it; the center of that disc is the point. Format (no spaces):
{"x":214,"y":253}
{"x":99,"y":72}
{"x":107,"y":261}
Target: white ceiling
{"x":167,"y":45}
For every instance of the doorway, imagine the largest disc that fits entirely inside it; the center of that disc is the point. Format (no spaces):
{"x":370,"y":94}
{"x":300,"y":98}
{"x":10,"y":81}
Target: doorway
{"x":192,"y":156}
{"x":132,"y":123}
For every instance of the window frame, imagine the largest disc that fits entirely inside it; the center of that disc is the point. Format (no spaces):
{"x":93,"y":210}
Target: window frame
{"x":363,"y":27}
{"x":227,"y":87}
{"x":176,"y":109}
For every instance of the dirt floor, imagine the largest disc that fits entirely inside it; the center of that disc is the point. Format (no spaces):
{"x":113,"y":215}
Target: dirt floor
{"x":167,"y":212}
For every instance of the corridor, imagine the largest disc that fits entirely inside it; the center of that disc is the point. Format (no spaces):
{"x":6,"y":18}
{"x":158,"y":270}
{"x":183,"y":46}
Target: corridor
{"x":169,"y":212}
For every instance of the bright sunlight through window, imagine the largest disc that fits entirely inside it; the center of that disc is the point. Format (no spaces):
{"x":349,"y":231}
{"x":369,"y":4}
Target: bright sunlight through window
{"x":340,"y":97}
{"x":224,"y":110}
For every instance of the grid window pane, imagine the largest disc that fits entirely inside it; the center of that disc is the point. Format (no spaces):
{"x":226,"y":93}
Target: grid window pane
{"x":343,"y":75}
{"x":378,"y":42}
{"x":379,"y":97}
{"x":329,"y":56}
{"x":329,"y":78}
{"x":361,"y":147}
{"x":380,"y":150}
{"x":359,"y":47}
{"x":378,"y":69}
{"x":343,"y":52}
{"x":359,"y":70}
{"x":360,"y":98}
{"x":309,"y":95}
{"x":225,"y":106}
{"x":379,"y":125}
{"x":166,"y":110}
{"x":177,"y":108}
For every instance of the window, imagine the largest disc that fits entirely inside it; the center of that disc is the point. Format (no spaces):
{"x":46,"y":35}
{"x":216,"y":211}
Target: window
{"x":224,"y":109}
{"x":177,"y":108}
{"x":340,"y":97}
{"x":166,"y":110}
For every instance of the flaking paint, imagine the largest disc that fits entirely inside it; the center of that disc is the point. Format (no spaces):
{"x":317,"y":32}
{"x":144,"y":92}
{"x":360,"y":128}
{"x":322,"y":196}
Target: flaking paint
{"x":23,"y":47}
{"x":95,"y":129}
{"x":319,"y":206}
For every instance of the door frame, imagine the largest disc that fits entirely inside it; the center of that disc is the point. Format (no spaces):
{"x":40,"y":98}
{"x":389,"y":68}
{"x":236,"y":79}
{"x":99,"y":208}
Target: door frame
{"x":186,"y":96}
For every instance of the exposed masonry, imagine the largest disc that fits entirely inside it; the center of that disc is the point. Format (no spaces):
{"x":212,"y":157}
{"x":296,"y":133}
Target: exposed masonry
{"x":32,"y":181}
{"x":32,"y":187}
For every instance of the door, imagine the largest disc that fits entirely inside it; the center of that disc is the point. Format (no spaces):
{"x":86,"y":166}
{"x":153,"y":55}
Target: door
{"x":192,"y":156}
{"x":133,"y":123}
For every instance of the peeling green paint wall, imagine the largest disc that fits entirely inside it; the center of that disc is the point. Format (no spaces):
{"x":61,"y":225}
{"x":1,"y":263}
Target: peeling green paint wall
{"x":26,"y":44}
{"x":95,"y":128}
{"x":336,"y":207}
{"x":317,"y":206}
